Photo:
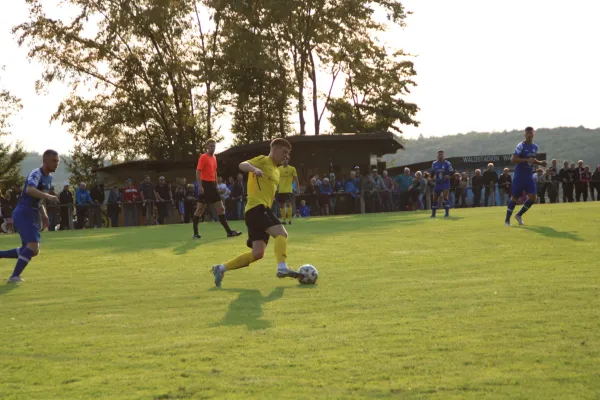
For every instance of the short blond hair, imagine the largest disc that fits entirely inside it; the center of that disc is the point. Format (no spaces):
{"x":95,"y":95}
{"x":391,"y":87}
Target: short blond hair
{"x":211,"y":140}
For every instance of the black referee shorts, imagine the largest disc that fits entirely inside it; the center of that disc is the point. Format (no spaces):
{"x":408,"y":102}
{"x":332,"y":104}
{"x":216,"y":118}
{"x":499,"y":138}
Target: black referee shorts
{"x":211,"y":194}
{"x":258,"y":220}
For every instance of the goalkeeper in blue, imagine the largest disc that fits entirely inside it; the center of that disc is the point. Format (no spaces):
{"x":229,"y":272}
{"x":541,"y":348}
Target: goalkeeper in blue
{"x":525,"y":159}
{"x":25,"y":215}
{"x":442,"y":170}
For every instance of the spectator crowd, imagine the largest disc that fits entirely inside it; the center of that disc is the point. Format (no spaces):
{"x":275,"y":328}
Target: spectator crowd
{"x":175,"y":202}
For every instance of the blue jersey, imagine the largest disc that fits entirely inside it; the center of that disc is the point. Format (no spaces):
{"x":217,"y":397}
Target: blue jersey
{"x":524,"y":150}
{"x":41,"y":182}
{"x":441,"y":169}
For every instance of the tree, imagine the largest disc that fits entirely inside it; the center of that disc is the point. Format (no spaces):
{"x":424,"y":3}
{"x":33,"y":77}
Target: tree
{"x":318,"y":33}
{"x":256,"y":74}
{"x":10,"y":156}
{"x":375,"y":86}
{"x":147,"y":95}
{"x":80,"y":163}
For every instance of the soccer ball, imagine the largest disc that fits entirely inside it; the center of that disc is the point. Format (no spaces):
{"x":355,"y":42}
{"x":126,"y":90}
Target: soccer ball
{"x":310,"y":274}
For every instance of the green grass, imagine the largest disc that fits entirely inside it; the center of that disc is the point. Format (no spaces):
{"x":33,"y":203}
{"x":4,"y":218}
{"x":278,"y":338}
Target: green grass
{"x":405,"y":307}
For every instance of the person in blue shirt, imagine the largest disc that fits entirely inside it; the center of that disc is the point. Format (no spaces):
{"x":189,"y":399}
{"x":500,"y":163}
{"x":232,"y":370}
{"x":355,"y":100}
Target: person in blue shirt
{"x":442,"y":171}
{"x":26,"y":213}
{"x":525,"y":159}
{"x":403,"y":183}
{"x":83,"y":200}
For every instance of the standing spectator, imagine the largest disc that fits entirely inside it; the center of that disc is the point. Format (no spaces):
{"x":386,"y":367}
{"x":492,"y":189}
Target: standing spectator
{"x":148,"y":194}
{"x":464,"y":184}
{"x":477,"y":182}
{"x":190,"y":202}
{"x":549,"y":186}
{"x":595,"y":183}
{"x":313,"y":193}
{"x":131,"y":197}
{"x":180,"y":198}
{"x":325,"y":192}
{"x":52,"y":211}
{"x":66,"y":208}
{"x":237,"y":193}
{"x":585,"y":179}
{"x":581,"y":189}
{"x":378,"y":187}
{"x":555,"y":177}
{"x":114,"y":206}
{"x":83,"y":200}
{"x":459,"y":191}
{"x":224,"y":192}
{"x":490,"y":178}
{"x":98,"y":197}
{"x":404,"y":182}
{"x":567,"y":179}
{"x":352,"y":187}
{"x":419,"y":188}
{"x":455,"y":189}
{"x":540,"y":185}
{"x":338,"y":187}
{"x":505,"y":187}
{"x":387,"y":193}
{"x":164,"y":198}
{"x":428,"y":189}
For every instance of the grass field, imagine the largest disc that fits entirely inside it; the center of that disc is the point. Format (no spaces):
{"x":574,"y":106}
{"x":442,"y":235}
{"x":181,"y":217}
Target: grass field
{"x":405,"y":307}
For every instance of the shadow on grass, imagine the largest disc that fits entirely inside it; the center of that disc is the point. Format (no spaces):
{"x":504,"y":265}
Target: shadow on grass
{"x":247,"y":308}
{"x":7,"y":288}
{"x":553,"y":233}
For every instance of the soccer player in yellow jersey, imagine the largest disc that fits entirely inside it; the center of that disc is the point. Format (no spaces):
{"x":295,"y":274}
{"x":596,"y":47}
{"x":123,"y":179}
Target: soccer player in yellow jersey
{"x":263,"y":178}
{"x":287,"y":175}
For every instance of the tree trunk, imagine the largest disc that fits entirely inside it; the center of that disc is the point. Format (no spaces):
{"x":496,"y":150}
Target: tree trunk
{"x":313,"y":78}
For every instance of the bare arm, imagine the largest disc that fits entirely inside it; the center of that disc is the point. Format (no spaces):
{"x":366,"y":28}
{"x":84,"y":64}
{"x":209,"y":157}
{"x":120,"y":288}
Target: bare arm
{"x":519,"y":160}
{"x":247,"y":167}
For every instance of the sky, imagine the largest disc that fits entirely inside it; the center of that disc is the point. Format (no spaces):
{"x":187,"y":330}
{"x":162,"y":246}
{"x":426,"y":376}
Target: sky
{"x":482,"y":66}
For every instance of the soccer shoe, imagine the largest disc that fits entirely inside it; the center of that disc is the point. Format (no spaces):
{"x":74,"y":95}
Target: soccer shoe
{"x":289,"y":222}
{"x":283,"y":223}
{"x":520,"y":219}
{"x":216,"y":270}
{"x":15,"y":279}
{"x":196,"y":237}
{"x":289,"y":273}
{"x":507,"y":223}
{"x":234,"y":234}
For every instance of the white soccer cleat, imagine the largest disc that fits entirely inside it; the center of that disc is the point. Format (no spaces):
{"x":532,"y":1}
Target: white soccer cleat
{"x":507,"y":223}
{"x":15,"y":279}
{"x":520,"y":219}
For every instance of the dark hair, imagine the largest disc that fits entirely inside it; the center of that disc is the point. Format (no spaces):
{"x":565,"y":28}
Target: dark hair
{"x":529,"y":129}
{"x":282,"y":143}
{"x":50,"y":153}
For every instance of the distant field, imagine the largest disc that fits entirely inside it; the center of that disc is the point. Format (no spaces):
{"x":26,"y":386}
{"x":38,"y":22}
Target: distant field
{"x":405,"y":307}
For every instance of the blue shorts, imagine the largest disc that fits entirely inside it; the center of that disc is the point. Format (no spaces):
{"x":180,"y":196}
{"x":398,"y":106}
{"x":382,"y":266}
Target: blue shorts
{"x":25,"y":221}
{"x":521,"y":185}
{"x":440,"y":187}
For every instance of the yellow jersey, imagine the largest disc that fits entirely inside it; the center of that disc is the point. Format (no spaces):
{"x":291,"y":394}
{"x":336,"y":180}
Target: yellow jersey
{"x":261,"y":190}
{"x":286,"y":177}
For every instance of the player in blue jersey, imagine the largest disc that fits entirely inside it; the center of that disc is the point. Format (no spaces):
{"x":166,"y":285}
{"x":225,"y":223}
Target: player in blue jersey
{"x":442,"y":170}
{"x":525,"y":159}
{"x":25,"y":214}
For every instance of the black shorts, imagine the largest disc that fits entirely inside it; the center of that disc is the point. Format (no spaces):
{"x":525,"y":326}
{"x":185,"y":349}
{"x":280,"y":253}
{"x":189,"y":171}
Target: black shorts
{"x":284,"y":198}
{"x":258,"y":220}
{"x":211,"y":194}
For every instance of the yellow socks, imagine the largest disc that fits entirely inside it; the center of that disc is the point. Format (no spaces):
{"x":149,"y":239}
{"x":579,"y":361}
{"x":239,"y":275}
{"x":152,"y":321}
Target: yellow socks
{"x":241,"y":261}
{"x":283,"y":213}
{"x":281,"y":249}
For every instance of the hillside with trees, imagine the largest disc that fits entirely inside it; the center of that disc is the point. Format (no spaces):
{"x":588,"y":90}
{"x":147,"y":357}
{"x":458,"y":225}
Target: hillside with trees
{"x":561,"y":143}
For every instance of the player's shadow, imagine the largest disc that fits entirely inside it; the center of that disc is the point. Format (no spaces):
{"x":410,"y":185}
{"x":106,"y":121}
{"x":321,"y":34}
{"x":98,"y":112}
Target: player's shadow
{"x":247,"y":308}
{"x":185,"y":247}
{"x":7,"y":288}
{"x":553,"y":233}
